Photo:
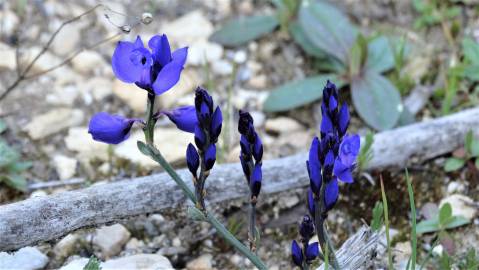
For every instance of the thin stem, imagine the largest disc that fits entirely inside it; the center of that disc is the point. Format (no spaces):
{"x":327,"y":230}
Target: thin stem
{"x":149,"y":119}
{"x":252,"y":226}
{"x":413,"y":213}
{"x":386,"y":222}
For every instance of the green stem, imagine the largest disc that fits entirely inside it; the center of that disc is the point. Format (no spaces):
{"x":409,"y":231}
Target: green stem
{"x":149,"y":128}
{"x":386,"y":223}
{"x":252,"y":227}
{"x":156,"y":155}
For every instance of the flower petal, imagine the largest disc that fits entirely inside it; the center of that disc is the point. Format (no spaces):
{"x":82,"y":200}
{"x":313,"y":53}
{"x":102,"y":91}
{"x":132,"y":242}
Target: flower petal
{"x":210,"y":156}
{"x":216,"y":124}
{"x":179,"y":56}
{"x":111,"y":129}
{"x":331,"y":194}
{"x":183,"y":117}
{"x":161,"y":49}
{"x":123,"y":67}
{"x":343,"y":119}
{"x":255,"y":185}
{"x":297,"y":254}
{"x":314,"y":166}
{"x":168,"y":76}
{"x":192,"y":159}
{"x":312,"y":251}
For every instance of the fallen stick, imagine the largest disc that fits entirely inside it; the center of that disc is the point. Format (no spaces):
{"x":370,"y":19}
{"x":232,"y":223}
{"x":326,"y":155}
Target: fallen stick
{"x":46,"y":218}
{"x":358,"y":251}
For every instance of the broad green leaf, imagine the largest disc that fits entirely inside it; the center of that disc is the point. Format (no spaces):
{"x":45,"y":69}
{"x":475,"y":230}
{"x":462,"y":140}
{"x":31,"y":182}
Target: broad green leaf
{"x":358,"y":55}
{"x":8,"y":155}
{"x":475,"y":148}
{"x":472,"y":72}
{"x":428,"y":226}
{"x":239,"y":31}
{"x":328,"y":28}
{"x":456,"y":221}
{"x":15,"y":181}
{"x":377,"y":100}
{"x":471,"y":50}
{"x":300,"y":37}
{"x":297,"y":93}
{"x":445,"y":213}
{"x":453,"y":164}
{"x":93,"y":264}
{"x":380,"y":55}
{"x":19,"y":166}
{"x":3,"y":126}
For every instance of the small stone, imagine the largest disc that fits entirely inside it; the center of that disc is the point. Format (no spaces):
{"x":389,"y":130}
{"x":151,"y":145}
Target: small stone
{"x":27,"y":258}
{"x":438,"y":250}
{"x":66,"y":246}
{"x":87,"y":61}
{"x":240,"y":57}
{"x":204,"y":262}
{"x":176,"y":242}
{"x":67,"y":40}
{"x":461,"y":206}
{"x":201,"y":51}
{"x":134,"y":244}
{"x":188,"y":28}
{"x":258,"y":118}
{"x":63,"y":95}
{"x":259,"y":82}
{"x":455,"y":187}
{"x":111,"y":239}
{"x":53,"y":122}
{"x":222,"y":67}
{"x":65,"y":166}
{"x":80,"y":141}
{"x":289,"y":201}
{"x":402,"y":251}
{"x":7,"y":57}
{"x":171,"y":141}
{"x":9,"y":21}
{"x":134,"y":262}
{"x":131,"y":94}
{"x":99,"y":88}
{"x":38,"y":193}
{"x":282,"y":125}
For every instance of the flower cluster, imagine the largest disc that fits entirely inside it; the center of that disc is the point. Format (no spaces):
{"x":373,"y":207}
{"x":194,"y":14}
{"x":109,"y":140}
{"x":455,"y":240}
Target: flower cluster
{"x":308,"y":252}
{"x":333,"y":157}
{"x":251,"y":154}
{"x":206,"y":130}
{"x":156,"y":70}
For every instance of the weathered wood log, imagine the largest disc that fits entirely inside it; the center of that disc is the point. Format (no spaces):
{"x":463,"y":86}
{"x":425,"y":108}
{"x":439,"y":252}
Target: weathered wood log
{"x":46,"y":218}
{"x":358,"y":251}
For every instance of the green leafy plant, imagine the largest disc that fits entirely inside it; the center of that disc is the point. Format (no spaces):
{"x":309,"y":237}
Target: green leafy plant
{"x":470,"y":261}
{"x":441,"y":222}
{"x":11,"y":166}
{"x":340,"y":50}
{"x":432,"y":12}
{"x":365,"y":154}
{"x":471,"y":151}
{"x":93,"y":264}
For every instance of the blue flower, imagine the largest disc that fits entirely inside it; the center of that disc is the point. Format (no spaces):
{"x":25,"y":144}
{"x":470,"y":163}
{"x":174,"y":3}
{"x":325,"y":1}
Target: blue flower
{"x":155,"y":70}
{"x":251,"y":153}
{"x":314,"y":166}
{"x":312,"y":251}
{"x":345,"y":162}
{"x":297,"y":254}
{"x":192,"y":160}
{"x":111,"y":129}
{"x":183,"y":117}
{"x":306,"y":228}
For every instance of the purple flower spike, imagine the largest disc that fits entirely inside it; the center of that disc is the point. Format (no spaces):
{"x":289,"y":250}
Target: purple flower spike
{"x":156,"y":71}
{"x":331,"y":194}
{"x":297,"y":254}
{"x":192,"y":159}
{"x":111,"y":129}
{"x":184,"y":118}
{"x":310,"y":203}
{"x":314,"y":166}
{"x":256,"y":180}
{"x":312,"y":251}
{"x":306,"y":228}
{"x":210,"y":157}
{"x":349,"y":149}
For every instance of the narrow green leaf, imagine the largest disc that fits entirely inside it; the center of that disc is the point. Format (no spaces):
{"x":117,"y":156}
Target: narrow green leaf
{"x":456,"y":221}
{"x":474,"y":148}
{"x":468,"y":141}
{"x":195,"y":214}
{"x":380,"y":55}
{"x":377,"y":100}
{"x":358,"y":55}
{"x":445,"y":213}
{"x":19,"y":166}
{"x":144,"y":149}
{"x":15,"y":181}
{"x":386,"y":223}
{"x":328,"y":28}
{"x":413,"y":221}
{"x":453,"y":164}
{"x":241,"y":30}
{"x":297,"y":93}
{"x":428,"y":226}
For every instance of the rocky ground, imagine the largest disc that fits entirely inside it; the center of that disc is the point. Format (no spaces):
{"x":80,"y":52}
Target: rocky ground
{"x":48,"y":117}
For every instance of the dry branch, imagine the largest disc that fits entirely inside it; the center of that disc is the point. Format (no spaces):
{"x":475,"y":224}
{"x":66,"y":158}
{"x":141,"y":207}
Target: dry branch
{"x":46,"y":218}
{"x":358,"y":251}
